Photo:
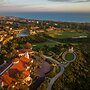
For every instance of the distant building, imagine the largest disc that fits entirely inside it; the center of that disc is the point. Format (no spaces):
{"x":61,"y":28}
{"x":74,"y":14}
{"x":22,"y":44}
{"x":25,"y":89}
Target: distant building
{"x":23,"y":52}
{"x":10,"y":28}
{"x":27,"y":55}
{"x":51,"y":28}
{"x":9,"y":22}
{"x":37,"y":22}
{"x":71,"y":49}
{"x":32,"y":32}
{"x":40,"y":31}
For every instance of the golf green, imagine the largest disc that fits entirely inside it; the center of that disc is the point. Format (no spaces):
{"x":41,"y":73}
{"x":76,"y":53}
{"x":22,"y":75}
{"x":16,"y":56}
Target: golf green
{"x":69,"y":56}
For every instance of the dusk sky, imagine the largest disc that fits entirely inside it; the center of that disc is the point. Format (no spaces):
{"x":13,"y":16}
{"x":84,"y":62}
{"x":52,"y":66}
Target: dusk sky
{"x":44,"y":5}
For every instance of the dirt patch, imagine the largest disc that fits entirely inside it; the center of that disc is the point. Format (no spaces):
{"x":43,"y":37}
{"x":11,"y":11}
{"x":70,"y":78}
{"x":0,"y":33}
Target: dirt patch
{"x":44,"y":68}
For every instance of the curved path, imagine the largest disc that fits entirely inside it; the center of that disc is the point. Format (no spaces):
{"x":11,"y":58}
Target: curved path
{"x":58,"y":75}
{"x":62,"y":67}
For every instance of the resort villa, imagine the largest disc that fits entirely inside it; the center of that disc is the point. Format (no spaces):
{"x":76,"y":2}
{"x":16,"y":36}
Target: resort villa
{"x":9,"y":71}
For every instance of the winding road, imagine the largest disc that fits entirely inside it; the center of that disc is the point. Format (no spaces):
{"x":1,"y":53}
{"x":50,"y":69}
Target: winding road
{"x":62,"y":67}
{"x":58,"y":75}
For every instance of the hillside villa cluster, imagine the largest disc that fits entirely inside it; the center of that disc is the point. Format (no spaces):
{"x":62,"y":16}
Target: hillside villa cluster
{"x":10,"y":26}
{"x":9,"y":72}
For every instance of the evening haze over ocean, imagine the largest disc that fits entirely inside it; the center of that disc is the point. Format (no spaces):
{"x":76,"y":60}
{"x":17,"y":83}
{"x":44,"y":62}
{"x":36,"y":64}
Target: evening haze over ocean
{"x":64,"y":10}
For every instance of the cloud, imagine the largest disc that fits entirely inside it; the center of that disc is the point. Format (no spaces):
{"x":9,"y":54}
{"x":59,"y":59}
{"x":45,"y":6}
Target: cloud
{"x":74,"y":1}
{"x":3,"y":2}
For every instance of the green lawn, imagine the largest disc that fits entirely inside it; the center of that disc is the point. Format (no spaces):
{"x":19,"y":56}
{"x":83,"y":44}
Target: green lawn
{"x":70,"y":34}
{"x":50,"y":43}
{"x":69,"y":56}
{"x":53,"y":33}
{"x":57,"y":34}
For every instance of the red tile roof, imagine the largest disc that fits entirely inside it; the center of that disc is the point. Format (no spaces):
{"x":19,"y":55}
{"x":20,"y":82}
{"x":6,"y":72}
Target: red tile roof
{"x":9,"y":75}
{"x":19,"y":66}
{"x":6,"y":78}
{"x":24,"y":59}
{"x":26,"y":73}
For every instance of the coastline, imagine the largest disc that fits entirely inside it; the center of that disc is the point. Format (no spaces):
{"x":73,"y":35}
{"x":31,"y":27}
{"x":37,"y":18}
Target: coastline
{"x":52,"y":16}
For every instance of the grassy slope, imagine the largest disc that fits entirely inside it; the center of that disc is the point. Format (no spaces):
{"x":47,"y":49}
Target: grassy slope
{"x":57,"y":34}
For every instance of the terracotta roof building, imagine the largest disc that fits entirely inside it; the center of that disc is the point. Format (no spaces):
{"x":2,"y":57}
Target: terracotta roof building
{"x":17,"y":66}
{"x":22,"y":52}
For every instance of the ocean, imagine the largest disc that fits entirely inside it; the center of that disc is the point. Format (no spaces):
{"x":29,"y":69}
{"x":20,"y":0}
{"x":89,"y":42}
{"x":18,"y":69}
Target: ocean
{"x":54,"y":16}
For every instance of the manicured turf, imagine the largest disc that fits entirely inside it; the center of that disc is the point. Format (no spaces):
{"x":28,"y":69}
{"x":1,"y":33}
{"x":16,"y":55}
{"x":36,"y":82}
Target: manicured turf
{"x":50,"y":43}
{"x":57,"y":34}
{"x":69,"y":56}
{"x":71,"y":34}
